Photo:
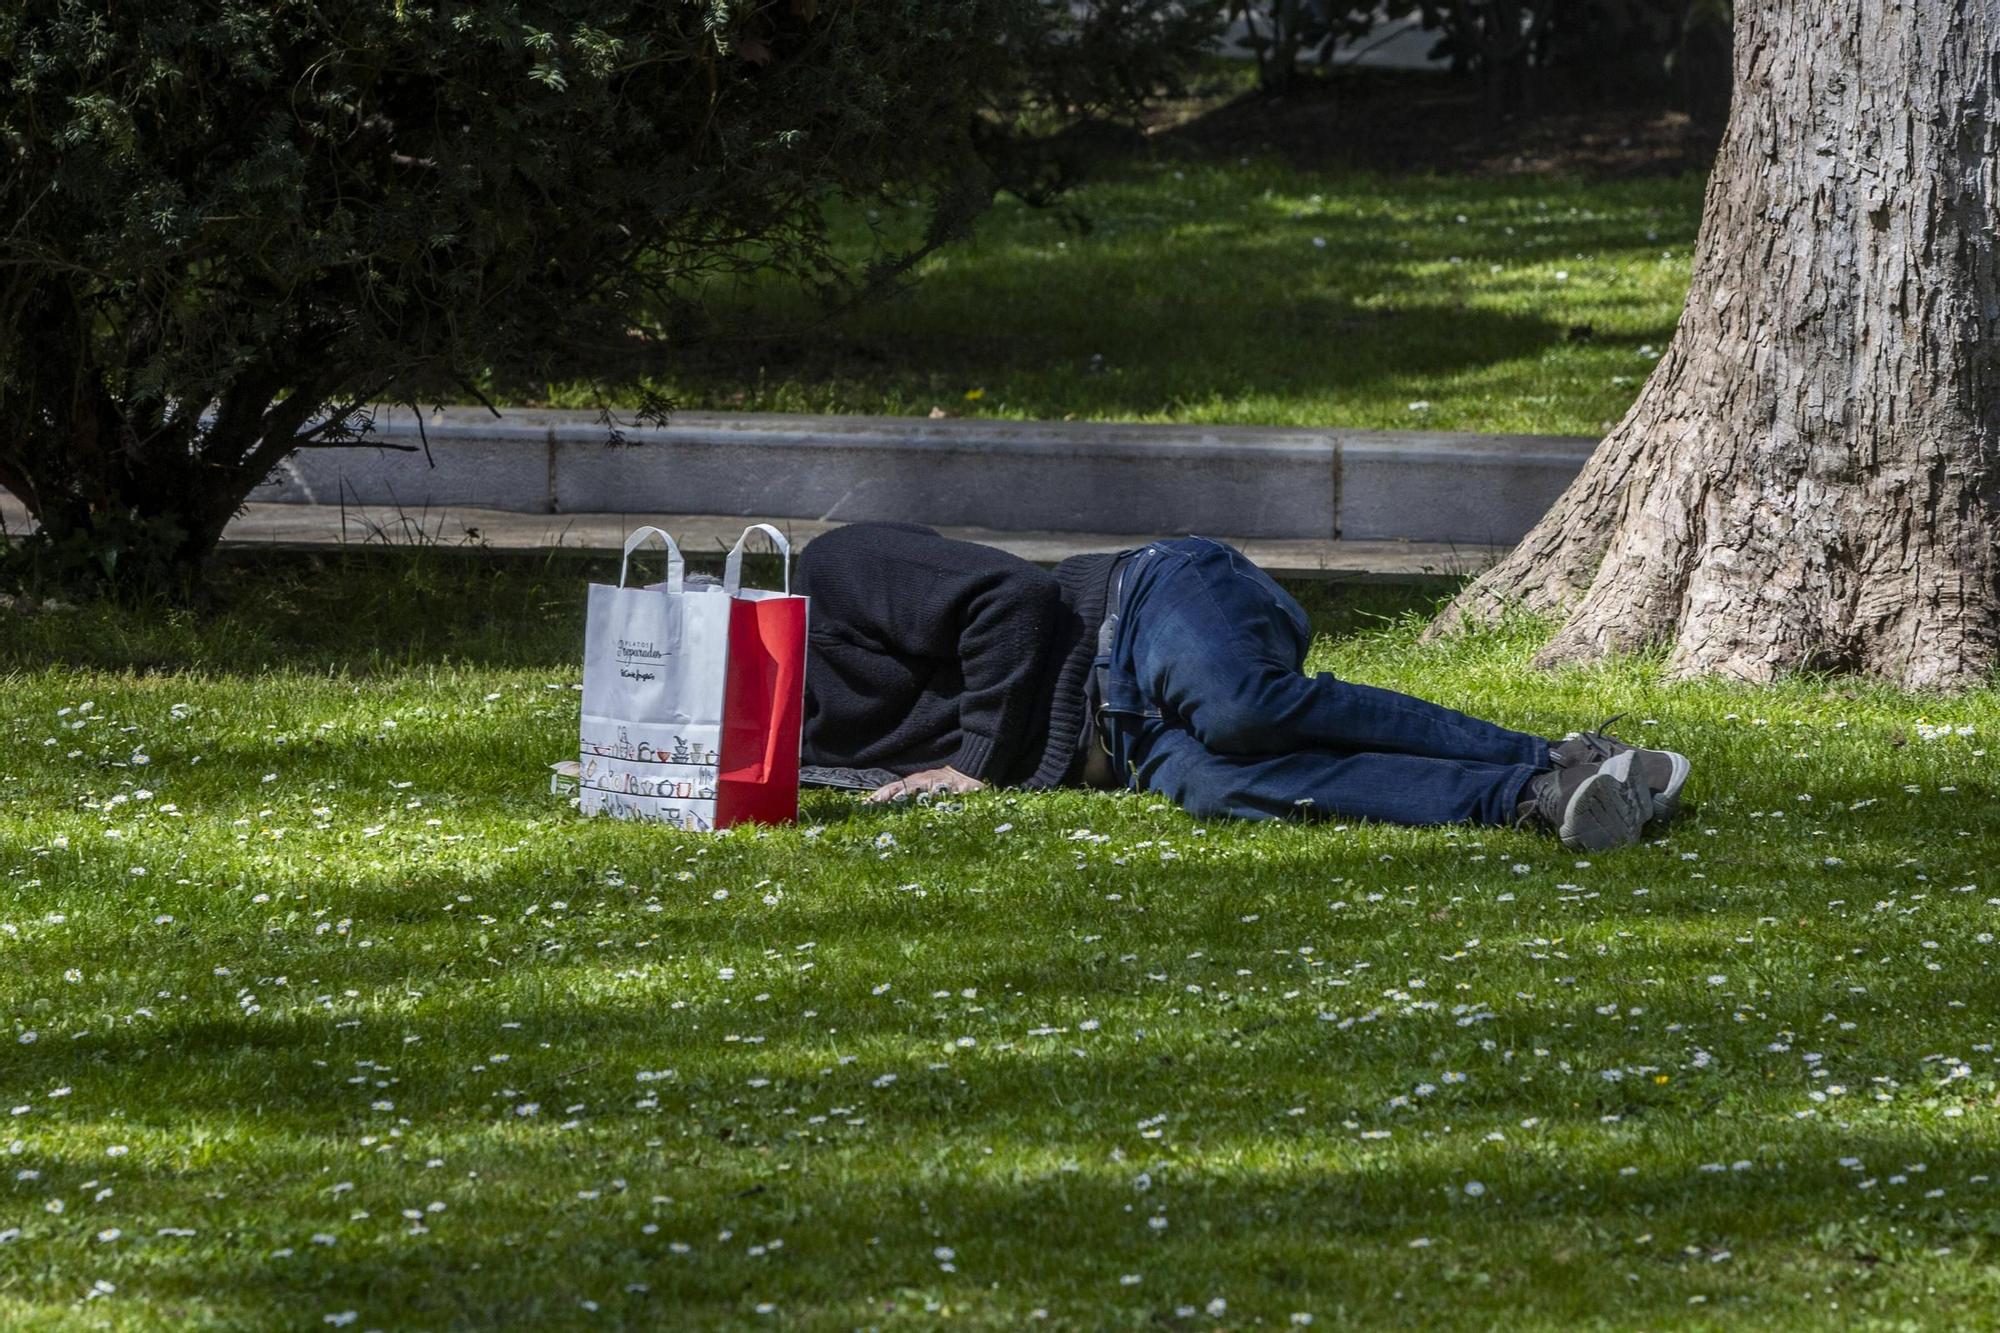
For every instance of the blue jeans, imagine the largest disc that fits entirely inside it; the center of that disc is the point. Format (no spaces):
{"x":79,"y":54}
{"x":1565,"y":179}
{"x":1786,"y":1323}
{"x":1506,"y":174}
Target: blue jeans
{"x":1208,"y":706}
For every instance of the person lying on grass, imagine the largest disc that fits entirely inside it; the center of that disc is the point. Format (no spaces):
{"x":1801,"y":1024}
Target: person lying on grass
{"x":1174,"y":668}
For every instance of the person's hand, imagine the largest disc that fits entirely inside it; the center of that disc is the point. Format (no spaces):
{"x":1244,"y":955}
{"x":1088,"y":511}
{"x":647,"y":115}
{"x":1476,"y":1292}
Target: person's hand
{"x":931,"y":781}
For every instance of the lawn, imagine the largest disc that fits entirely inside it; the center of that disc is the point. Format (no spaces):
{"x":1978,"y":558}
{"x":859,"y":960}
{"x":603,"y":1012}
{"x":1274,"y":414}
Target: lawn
{"x":1244,"y":291}
{"x":320,"y":1010}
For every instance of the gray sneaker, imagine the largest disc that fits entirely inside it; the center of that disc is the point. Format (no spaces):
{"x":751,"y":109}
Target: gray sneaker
{"x":1664,"y":772}
{"x":1591,"y":807}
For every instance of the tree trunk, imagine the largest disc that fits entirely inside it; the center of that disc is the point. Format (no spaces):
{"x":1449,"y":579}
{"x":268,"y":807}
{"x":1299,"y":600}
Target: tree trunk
{"x":136,"y":497}
{"x":1811,"y":477}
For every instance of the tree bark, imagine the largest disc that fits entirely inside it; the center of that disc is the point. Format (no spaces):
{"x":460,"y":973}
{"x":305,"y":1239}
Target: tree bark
{"x":1811,"y":477}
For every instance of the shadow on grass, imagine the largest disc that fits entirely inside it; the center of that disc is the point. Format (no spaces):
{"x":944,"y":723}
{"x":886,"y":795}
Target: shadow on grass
{"x":1169,"y":349}
{"x":619,"y":986}
{"x":1293,"y":295}
{"x":1295,"y":1210}
{"x":377,"y":611}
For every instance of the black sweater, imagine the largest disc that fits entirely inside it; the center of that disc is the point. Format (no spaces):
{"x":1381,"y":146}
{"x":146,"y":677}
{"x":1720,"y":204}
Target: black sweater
{"x":922,"y":651}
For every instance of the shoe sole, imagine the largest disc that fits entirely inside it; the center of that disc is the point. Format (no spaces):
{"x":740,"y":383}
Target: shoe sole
{"x":1667,"y":800}
{"x":1607,"y":810}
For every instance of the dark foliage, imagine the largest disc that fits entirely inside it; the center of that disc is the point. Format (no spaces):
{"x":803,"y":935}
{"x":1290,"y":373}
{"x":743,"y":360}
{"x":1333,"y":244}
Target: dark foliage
{"x":230,"y":226}
{"x":1611,"y":49}
{"x":1279,"y":32}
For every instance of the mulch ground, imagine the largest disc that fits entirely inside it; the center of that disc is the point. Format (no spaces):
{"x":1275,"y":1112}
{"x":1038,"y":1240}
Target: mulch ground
{"x":1412,"y":121}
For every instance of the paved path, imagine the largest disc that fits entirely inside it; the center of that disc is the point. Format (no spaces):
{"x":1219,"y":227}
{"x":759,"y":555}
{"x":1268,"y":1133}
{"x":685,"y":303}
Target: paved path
{"x":299,"y":525}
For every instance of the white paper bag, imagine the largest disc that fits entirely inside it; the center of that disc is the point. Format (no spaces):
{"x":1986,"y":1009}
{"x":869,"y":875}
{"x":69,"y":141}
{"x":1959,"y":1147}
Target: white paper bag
{"x":654,"y":665}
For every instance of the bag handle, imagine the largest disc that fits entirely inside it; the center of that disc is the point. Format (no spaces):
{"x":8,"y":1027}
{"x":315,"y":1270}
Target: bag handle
{"x":676,"y":567}
{"x":732,"y":569}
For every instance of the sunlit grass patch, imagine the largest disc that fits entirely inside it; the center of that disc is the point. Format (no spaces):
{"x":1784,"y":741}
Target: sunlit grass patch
{"x":384,"y":1030}
{"x":1248,"y":293}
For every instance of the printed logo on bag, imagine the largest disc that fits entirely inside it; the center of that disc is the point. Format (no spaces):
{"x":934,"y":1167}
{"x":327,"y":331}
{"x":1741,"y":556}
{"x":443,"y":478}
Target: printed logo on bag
{"x":636,"y":654}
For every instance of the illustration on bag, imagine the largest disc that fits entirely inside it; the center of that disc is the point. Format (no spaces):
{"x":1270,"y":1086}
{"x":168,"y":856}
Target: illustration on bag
{"x":699,"y":788}
{"x":674,"y":816}
{"x":643,"y":752}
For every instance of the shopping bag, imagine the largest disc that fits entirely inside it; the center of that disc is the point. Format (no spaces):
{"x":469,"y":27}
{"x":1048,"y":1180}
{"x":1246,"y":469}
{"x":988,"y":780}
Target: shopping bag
{"x":764,"y":698}
{"x":692,"y":697}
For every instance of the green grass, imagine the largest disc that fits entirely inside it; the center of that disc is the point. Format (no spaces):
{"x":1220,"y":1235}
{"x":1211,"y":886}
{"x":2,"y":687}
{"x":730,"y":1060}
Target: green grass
{"x":385,"y":1028}
{"x":1201,"y":295}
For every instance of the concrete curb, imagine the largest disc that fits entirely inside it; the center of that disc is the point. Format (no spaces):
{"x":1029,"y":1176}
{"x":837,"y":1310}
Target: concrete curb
{"x":1006,"y":475}
{"x":705,"y":537}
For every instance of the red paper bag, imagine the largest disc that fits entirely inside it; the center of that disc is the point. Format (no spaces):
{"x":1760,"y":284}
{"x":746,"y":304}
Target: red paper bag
{"x":763,"y":696}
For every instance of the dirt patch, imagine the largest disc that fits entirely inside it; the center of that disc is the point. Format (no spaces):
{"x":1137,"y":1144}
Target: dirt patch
{"x":1410,"y":121}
